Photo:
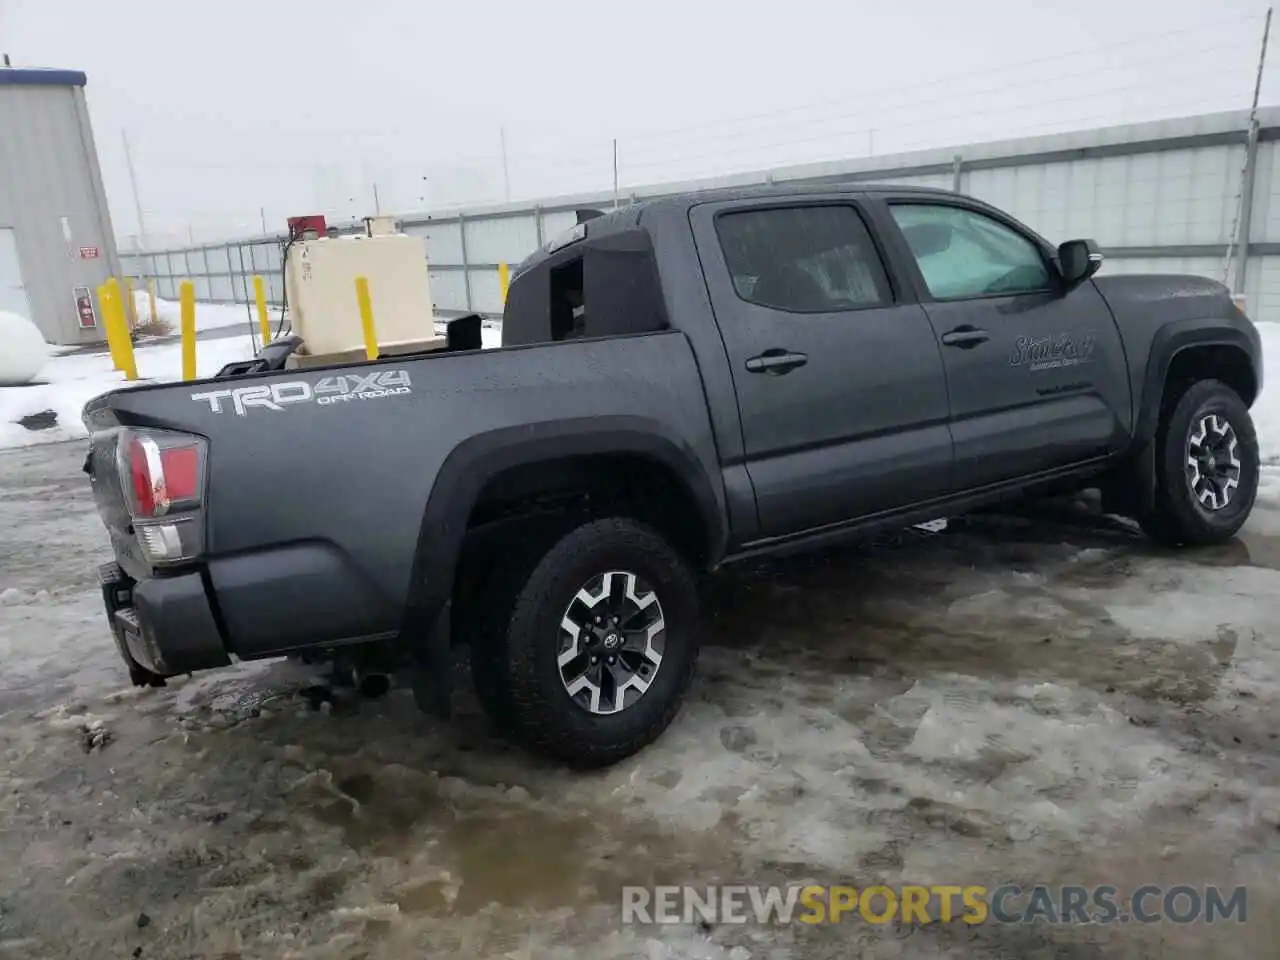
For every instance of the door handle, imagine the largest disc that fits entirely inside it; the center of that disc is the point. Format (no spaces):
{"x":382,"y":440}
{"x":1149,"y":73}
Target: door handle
{"x":965,"y":336}
{"x":776,"y":361}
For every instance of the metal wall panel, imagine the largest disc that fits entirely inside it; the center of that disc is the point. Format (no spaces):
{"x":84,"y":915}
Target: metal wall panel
{"x":220,"y":288}
{"x":1173,"y":197}
{"x":443,"y":240}
{"x":486,"y":291}
{"x":942,"y":181}
{"x":1197,"y":266}
{"x":218,"y":260}
{"x":1263,"y":291}
{"x":196,"y":262}
{"x":448,"y":289}
{"x":1266,"y":194}
{"x":504,"y":240}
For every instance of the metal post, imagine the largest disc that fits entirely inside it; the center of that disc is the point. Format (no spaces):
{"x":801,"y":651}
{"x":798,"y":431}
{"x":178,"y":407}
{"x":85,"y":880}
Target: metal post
{"x":1239,"y":236}
{"x":615,"y":173}
{"x":957,"y":169}
{"x":466,"y":263}
{"x":133,"y":182}
{"x":1246,"y":209}
{"x":537,"y":224}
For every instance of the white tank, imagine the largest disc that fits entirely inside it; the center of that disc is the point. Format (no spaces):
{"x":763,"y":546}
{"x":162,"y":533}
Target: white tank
{"x":320,"y":282}
{"x":24,"y":351}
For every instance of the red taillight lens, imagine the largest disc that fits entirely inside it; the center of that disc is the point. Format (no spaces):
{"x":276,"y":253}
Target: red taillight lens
{"x":164,"y":471}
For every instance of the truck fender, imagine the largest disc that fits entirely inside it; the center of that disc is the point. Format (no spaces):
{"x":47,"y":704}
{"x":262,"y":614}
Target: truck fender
{"x":478,"y":459}
{"x":1170,"y":340}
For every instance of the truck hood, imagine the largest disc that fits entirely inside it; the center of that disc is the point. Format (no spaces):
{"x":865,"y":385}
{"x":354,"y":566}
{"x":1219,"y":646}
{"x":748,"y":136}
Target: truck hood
{"x":1171,"y":296}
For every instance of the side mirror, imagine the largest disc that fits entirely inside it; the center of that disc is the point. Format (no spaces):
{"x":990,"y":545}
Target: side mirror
{"x":1078,"y":260}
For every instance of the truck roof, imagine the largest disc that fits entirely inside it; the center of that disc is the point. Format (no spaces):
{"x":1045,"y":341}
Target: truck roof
{"x":630,"y":216}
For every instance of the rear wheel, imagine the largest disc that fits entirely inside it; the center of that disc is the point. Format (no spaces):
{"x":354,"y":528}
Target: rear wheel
{"x":590,"y":658}
{"x":1206,"y":468}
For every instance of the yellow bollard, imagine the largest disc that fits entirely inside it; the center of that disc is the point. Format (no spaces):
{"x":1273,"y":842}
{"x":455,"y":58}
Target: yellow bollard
{"x":260,"y":297}
{"x":504,"y":281}
{"x":130,"y":304}
{"x":113,"y":342}
{"x":187,"y":298}
{"x":151,"y":299}
{"x":118,"y":326}
{"x":366,"y":318}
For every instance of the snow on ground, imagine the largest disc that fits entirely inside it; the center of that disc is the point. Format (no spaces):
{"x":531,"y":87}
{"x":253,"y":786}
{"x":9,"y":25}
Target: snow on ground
{"x":67,"y":382}
{"x":209,"y":316}
{"x":71,"y":381}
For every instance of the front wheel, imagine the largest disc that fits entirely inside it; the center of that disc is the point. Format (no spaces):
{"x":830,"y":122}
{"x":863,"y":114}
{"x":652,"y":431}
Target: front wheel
{"x":600,"y":643}
{"x":1206,"y":468}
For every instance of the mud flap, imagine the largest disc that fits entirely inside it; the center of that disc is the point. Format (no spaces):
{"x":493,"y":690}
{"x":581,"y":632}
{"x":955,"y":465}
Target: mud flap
{"x":432,"y":670}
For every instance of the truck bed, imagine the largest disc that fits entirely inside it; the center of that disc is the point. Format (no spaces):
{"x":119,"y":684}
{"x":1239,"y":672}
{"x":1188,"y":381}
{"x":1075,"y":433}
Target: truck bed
{"x":367,"y":447}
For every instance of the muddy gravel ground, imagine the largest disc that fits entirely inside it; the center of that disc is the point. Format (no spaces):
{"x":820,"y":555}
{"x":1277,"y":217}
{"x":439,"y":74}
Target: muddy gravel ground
{"x":1019,"y":699}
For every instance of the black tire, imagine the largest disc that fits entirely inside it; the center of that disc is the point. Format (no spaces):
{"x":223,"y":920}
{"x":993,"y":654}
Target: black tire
{"x":483,"y":621}
{"x":520,"y":665}
{"x":1178,"y":517}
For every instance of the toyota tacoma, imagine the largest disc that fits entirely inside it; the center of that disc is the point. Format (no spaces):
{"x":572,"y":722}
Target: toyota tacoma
{"x":682,"y":384}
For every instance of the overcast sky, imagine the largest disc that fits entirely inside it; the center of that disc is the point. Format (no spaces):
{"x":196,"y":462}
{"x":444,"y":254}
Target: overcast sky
{"x":233,"y":107}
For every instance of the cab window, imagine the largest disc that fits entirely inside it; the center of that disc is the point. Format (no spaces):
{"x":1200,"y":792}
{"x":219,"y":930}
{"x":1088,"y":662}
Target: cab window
{"x":963,"y":253}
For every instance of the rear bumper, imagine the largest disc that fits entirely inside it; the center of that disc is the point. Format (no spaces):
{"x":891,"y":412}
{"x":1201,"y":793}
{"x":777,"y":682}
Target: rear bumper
{"x":268,"y":604}
{"x":165,"y":625}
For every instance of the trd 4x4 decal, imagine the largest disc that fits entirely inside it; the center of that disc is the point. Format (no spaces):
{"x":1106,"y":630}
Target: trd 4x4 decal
{"x":345,"y":388}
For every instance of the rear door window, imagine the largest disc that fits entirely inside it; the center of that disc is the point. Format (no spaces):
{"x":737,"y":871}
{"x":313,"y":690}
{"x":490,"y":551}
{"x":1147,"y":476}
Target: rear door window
{"x":804,"y":259}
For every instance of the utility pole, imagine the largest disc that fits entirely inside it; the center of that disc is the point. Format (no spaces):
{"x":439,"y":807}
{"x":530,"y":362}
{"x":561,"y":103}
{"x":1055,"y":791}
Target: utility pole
{"x":506,"y":171}
{"x":1242,"y":227}
{"x":615,"y":173}
{"x":377,"y":204}
{"x":7,"y":62}
{"x":133,"y":182}
{"x":262,"y":212}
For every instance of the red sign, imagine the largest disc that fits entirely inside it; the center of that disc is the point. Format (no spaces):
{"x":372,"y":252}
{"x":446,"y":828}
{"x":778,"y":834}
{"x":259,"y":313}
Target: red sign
{"x":89,"y":253}
{"x":84,"y":308}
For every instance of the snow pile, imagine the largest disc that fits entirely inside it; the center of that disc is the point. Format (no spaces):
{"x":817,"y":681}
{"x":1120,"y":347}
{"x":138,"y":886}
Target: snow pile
{"x":70,"y":382}
{"x":25,"y":351}
{"x":209,"y":316}
{"x":1266,"y":409}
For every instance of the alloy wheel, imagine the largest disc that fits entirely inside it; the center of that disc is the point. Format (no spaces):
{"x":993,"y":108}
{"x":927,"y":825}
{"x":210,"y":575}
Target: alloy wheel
{"x":611,"y":642}
{"x":1213,"y":466}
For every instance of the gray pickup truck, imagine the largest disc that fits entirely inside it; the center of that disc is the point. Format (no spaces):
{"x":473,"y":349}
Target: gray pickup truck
{"x":682,"y":384}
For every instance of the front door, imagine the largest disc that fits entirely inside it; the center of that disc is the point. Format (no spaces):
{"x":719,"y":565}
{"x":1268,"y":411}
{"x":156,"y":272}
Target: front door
{"x":839,"y":380}
{"x":13,"y":294}
{"x":1036,"y":374}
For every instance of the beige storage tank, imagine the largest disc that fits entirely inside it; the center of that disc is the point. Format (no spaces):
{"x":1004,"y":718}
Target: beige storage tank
{"x":320,"y":280}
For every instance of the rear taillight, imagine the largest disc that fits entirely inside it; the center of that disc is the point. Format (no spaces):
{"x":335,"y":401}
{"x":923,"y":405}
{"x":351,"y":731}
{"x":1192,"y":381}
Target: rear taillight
{"x":163,"y":478}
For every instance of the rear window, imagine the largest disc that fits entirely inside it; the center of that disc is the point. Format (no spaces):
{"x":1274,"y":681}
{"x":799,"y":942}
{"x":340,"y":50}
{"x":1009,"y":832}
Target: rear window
{"x":601,"y":287}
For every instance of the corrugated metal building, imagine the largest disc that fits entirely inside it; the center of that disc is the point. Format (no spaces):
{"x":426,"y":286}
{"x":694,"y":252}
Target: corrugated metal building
{"x":56,"y":241}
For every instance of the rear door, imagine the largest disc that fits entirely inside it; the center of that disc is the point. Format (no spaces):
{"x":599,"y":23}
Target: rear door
{"x":838,"y":376}
{"x":1036,"y":373}
{"x":13,"y":294}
